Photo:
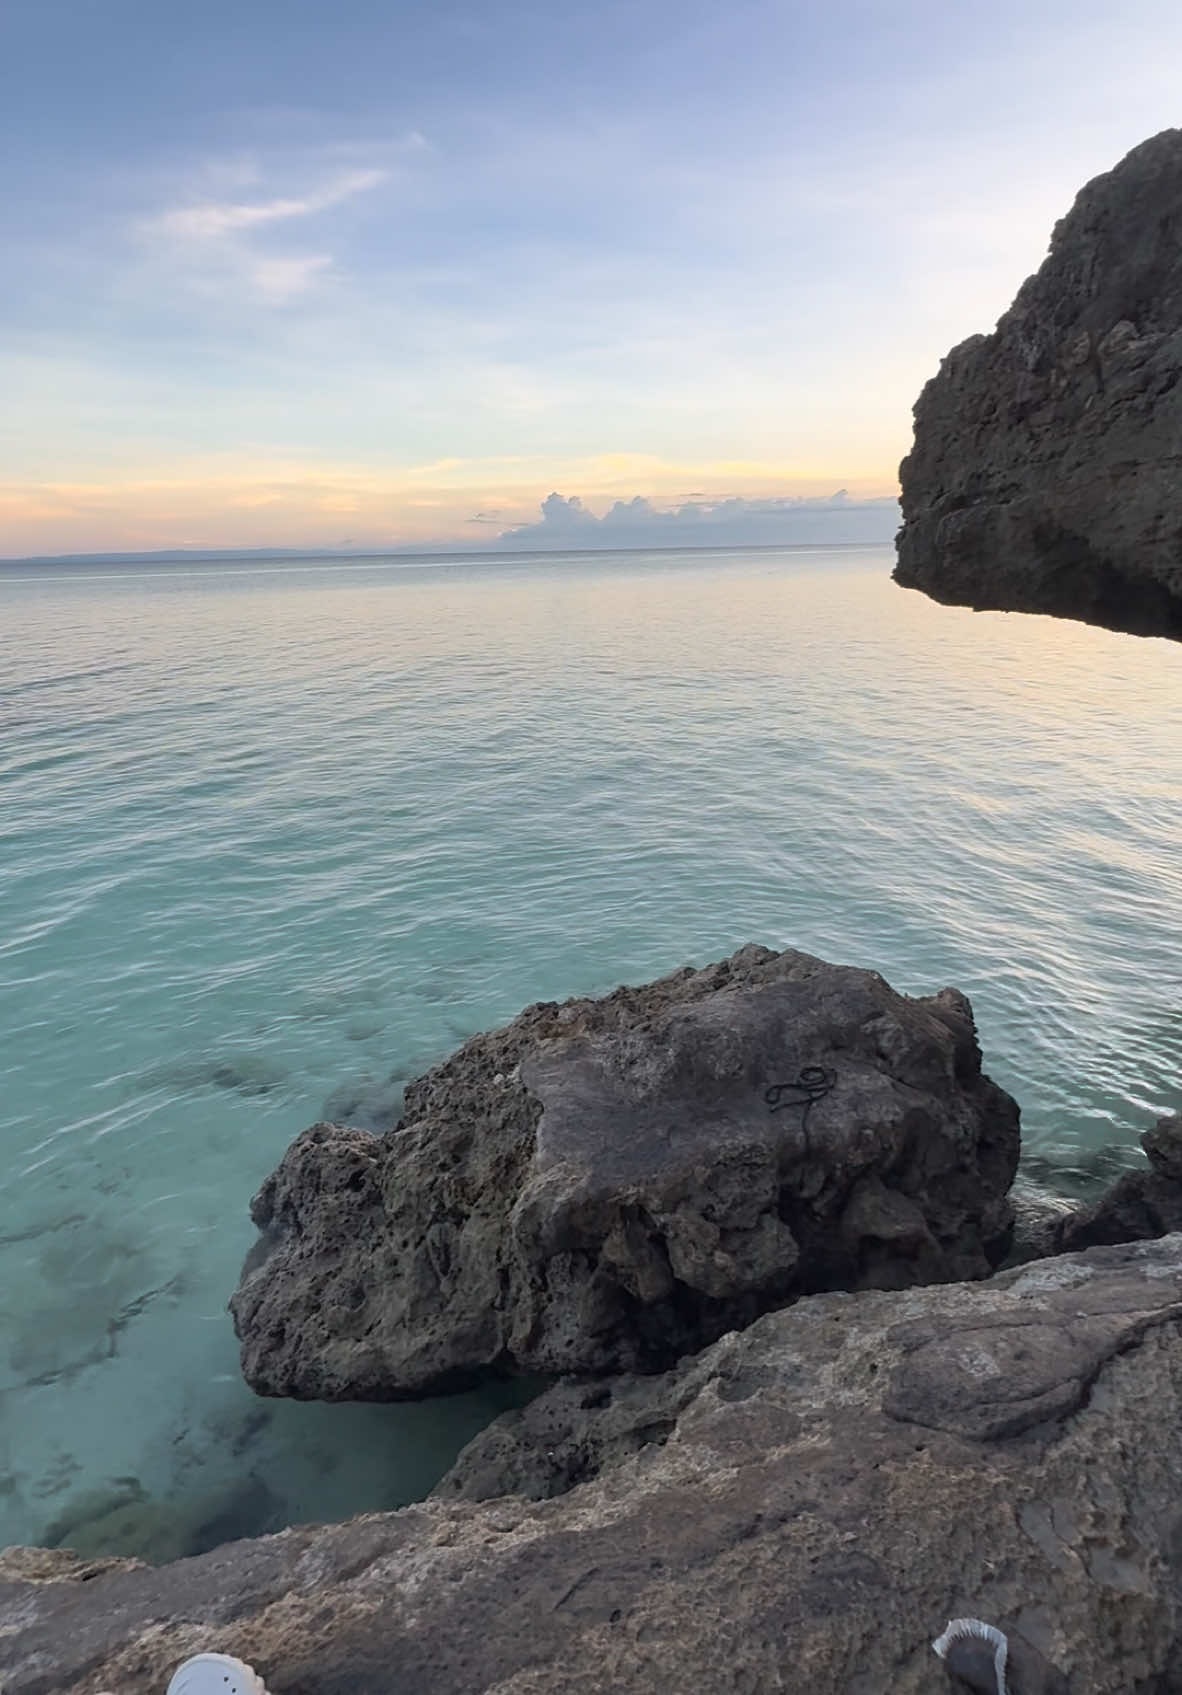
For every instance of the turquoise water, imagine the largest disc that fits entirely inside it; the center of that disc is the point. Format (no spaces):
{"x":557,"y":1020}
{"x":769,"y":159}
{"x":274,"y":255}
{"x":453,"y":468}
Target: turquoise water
{"x":275,"y":834}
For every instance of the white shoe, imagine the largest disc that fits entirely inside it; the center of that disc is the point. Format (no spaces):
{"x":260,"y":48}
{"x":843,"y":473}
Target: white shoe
{"x":215,"y":1674}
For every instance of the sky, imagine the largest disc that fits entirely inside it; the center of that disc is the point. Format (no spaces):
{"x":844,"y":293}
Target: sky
{"x":371,"y":273}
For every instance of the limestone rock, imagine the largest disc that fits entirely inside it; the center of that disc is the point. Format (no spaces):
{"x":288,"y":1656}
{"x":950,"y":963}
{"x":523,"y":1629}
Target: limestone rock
{"x":1044,"y":474}
{"x":609,"y":1184}
{"x":814,"y":1499}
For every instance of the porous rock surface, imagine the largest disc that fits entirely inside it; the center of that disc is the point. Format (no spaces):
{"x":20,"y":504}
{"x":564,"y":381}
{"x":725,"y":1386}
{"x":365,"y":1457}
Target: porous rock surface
{"x":607,"y":1185}
{"x":802,"y":1507}
{"x":1046,"y":474}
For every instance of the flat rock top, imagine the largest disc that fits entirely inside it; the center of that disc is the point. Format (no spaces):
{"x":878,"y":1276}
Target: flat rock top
{"x":708,"y":1075}
{"x":814,"y":1498}
{"x":609,"y":1184}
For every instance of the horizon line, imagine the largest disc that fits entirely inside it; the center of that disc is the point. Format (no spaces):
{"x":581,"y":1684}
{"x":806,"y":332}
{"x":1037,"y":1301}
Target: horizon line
{"x":180,"y":555}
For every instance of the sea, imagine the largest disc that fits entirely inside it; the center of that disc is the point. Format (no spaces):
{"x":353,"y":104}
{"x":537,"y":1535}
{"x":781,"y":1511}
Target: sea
{"x":277,"y":835}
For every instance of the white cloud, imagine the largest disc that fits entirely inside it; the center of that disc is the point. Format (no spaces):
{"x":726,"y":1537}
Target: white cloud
{"x":283,"y":278}
{"x":210,"y":220}
{"x":771,"y":521}
{"x":220,"y":246}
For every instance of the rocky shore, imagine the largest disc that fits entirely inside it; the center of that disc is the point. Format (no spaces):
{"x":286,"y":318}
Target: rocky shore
{"x":751,"y":1216}
{"x":801,"y":1506}
{"x":820,"y":1377}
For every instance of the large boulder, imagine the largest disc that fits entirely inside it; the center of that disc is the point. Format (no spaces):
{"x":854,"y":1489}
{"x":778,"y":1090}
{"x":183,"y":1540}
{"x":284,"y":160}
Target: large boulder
{"x":1044,"y":475}
{"x":609,"y":1184}
{"x":804,"y":1506}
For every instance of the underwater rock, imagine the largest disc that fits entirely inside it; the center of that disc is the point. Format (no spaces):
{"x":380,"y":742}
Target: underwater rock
{"x":609,"y":1184}
{"x":1077,"y":1175}
{"x":1140,"y":1204}
{"x":238,"y":1071}
{"x":818,"y":1494}
{"x":126,"y":1521}
{"x":1143,"y":1202}
{"x":365,"y":1104}
{"x":1039,"y":1219}
{"x":1044,"y":473}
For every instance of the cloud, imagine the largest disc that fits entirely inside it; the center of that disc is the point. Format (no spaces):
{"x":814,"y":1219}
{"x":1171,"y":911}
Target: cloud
{"x":210,"y":220}
{"x":559,"y":513}
{"x":281,"y":279}
{"x":734,"y":521}
{"x":234,"y":499}
{"x":219,"y":246}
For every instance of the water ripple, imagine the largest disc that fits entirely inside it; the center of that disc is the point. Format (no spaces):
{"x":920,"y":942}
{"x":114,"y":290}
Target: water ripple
{"x":270,"y":834}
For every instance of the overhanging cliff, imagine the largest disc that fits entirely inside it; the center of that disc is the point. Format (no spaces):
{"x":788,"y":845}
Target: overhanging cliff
{"x":1046,"y":474}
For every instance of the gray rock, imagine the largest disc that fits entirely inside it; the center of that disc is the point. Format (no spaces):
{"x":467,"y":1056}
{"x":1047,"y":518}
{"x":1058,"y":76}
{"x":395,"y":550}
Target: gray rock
{"x":1039,"y":1220}
{"x":1044,"y":475}
{"x":1140,"y":1204}
{"x":825,"y":1490}
{"x":609,"y":1184}
{"x":1163,"y":1145}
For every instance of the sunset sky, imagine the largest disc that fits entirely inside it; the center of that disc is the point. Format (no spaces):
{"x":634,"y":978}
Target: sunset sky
{"x":286,"y":273}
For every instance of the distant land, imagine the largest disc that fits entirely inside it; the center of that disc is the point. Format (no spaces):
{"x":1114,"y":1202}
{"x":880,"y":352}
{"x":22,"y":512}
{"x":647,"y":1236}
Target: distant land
{"x":345,"y":556}
{"x":565,"y":525}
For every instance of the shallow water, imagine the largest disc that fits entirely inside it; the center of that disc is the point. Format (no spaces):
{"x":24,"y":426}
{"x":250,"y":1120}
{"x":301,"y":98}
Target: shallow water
{"x":275,"y":834}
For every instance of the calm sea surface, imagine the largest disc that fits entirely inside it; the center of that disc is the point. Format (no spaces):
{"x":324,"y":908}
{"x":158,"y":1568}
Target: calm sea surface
{"x":273,"y":838}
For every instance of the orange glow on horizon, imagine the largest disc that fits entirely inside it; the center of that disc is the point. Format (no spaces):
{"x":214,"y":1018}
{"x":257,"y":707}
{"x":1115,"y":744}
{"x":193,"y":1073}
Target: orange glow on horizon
{"x":217,"y":504}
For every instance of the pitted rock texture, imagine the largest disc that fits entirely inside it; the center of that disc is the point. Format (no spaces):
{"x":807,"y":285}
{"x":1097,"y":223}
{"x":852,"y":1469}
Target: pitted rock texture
{"x":986,"y":1363}
{"x":1046,"y":474}
{"x":609,"y":1184}
{"x":803,"y":1506}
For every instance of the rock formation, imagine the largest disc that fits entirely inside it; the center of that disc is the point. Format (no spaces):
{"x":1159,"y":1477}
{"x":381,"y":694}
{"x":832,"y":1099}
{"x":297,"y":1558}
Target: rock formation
{"x":1139,"y":1205}
{"x":1045,"y":471}
{"x":609,"y":1184}
{"x":803,"y":1506}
